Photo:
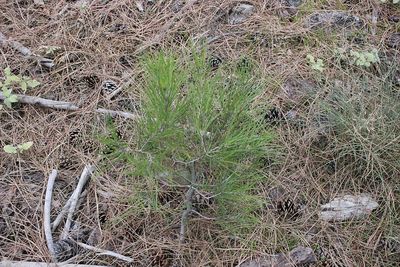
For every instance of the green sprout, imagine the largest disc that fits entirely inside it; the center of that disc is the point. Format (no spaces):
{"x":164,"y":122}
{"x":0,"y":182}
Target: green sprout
{"x":51,"y":49}
{"x":365,"y":58}
{"x":15,"y":80}
{"x":11,"y":149}
{"x":315,"y":64}
{"x":394,"y":1}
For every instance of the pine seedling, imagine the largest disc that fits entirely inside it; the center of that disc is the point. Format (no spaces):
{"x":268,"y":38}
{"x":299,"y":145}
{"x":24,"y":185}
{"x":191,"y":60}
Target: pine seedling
{"x":200,"y":129}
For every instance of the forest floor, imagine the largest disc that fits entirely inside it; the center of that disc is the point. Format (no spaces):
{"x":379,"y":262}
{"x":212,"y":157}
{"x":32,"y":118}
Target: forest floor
{"x":337,"y":125}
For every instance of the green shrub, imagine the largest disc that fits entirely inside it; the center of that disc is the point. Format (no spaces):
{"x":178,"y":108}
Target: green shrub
{"x":200,"y":128}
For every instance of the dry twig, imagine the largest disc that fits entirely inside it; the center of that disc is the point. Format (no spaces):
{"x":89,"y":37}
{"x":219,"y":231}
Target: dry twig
{"x":63,"y":105}
{"x":25,"y":51}
{"x":105,"y":252}
{"x":47,"y":210}
{"x":188,"y":205}
{"x":87,"y":171}
{"x":64,"y":210}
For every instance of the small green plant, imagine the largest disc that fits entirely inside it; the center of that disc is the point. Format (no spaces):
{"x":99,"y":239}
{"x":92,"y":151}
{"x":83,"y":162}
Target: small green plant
{"x":15,"y":80}
{"x":365,"y":58}
{"x":200,"y":129}
{"x":8,"y":97}
{"x":317,"y":64}
{"x":12,"y":149}
{"x":394,"y":1}
{"x":51,"y":49}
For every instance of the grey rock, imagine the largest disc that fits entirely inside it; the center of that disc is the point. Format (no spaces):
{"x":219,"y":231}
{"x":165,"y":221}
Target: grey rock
{"x":293,"y":3}
{"x":348,"y":207}
{"x":240,"y":13}
{"x":333,"y":19}
{"x":297,"y":90}
{"x":300,"y":256}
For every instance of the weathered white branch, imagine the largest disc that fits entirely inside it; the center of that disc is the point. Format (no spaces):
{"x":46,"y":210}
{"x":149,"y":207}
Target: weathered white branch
{"x":87,"y":171}
{"x":46,"y":213}
{"x":25,"y":51}
{"x":105,"y":252}
{"x":33,"y":100}
{"x":63,"y":105}
{"x":64,"y":211}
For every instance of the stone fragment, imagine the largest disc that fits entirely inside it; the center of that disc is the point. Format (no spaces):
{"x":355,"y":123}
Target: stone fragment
{"x":300,"y":256}
{"x":348,"y":207}
{"x":333,"y":19}
{"x":240,"y":13}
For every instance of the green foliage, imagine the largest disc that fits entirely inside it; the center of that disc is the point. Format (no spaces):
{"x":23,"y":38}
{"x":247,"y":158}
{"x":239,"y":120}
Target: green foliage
{"x":365,"y":58}
{"x":11,"y":80}
{"x":394,"y":1}
{"x":315,"y":64}
{"x":11,"y":149}
{"x":358,"y":58}
{"x":192,"y":115}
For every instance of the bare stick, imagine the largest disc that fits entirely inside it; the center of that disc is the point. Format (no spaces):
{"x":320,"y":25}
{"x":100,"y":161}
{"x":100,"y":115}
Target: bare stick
{"x":25,"y":51}
{"x":105,"y":252}
{"x":188,"y":205}
{"x":63,"y":105}
{"x":64,"y":211}
{"x":46,"y":213}
{"x":32,"y":100}
{"x":87,"y":171}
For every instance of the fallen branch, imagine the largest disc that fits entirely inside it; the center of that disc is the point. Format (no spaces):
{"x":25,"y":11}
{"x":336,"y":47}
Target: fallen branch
{"x":63,"y":105}
{"x":105,"y":252}
{"x":46,"y":213}
{"x":87,"y":171}
{"x":25,"y":51}
{"x":188,"y":205}
{"x":64,"y":211}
